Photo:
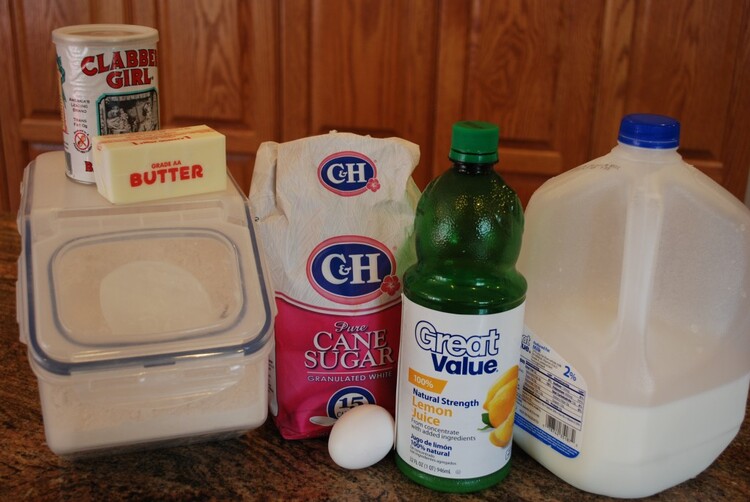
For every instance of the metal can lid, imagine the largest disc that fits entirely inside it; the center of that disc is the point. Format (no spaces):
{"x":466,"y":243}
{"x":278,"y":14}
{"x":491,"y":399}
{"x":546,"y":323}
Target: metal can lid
{"x":104,"y":34}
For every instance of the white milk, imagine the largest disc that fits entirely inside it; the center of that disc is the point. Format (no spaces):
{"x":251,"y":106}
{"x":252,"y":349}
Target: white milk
{"x":637,"y":451}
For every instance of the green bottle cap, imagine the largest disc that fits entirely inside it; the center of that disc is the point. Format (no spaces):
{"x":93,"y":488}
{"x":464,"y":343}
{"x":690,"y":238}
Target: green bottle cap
{"x":474,"y":142}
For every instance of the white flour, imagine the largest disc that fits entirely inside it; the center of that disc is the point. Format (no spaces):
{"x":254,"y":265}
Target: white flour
{"x":145,"y":291}
{"x":155,"y":405}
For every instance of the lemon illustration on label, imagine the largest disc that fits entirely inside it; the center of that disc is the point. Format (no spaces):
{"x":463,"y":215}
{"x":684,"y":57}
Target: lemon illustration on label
{"x":501,"y":407}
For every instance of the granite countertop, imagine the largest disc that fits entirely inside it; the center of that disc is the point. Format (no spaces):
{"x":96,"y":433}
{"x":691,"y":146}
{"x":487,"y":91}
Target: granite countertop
{"x":258,"y":465}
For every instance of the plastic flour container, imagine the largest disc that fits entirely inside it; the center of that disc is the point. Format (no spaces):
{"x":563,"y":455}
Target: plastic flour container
{"x":146,"y":324}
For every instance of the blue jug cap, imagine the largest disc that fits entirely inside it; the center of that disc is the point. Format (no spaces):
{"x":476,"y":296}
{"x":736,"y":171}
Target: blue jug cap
{"x":646,"y":130}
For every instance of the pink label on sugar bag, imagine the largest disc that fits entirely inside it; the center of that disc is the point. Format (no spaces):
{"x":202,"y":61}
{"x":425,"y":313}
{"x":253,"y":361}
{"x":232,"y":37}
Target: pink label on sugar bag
{"x":332,"y":361}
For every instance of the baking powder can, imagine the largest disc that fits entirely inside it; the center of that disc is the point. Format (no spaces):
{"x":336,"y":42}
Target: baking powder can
{"x":109,"y":84}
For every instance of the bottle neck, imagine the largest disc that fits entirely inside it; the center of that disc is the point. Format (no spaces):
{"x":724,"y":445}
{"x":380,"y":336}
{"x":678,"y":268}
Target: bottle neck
{"x":472,"y":168}
{"x":651,"y":155}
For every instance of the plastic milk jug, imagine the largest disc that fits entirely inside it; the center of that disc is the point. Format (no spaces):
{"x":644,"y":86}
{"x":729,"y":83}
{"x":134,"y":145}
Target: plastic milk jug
{"x":635,"y":357}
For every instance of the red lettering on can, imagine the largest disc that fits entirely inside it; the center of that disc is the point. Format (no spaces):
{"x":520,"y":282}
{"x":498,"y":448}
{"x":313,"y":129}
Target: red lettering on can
{"x":135,"y":66}
{"x":131,"y":57}
{"x":127,"y":78}
{"x":143,"y":58}
{"x":100,"y":66}
{"x":116,"y":63}
{"x":86,"y":67}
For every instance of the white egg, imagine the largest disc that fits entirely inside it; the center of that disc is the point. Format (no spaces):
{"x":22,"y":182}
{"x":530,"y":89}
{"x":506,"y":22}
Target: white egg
{"x":361,"y":437}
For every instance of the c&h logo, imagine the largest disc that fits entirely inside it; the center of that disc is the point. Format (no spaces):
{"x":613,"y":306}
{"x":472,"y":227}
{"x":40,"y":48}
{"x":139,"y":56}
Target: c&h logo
{"x":352,"y":269}
{"x":348,"y":174}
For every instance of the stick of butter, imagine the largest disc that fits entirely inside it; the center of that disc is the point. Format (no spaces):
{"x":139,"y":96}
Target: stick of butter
{"x":141,"y":166}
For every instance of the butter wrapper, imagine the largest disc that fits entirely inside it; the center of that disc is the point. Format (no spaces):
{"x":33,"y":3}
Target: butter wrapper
{"x":162,"y":164}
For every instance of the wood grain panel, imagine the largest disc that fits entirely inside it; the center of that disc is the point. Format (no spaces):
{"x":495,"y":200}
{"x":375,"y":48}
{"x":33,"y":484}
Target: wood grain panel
{"x":736,"y":146}
{"x":370,"y":70}
{"x":614,"y":74}
{"x":10,"y":113}
{"x":202,"y":54}
{"x":296,"y":68}
{"x":453,"y":44}
{"x":694,"y":81}
{"x":36,"y":52}
{"x":529,"y":66}
{"x":219,"y":66}
{"x":678,"y":66}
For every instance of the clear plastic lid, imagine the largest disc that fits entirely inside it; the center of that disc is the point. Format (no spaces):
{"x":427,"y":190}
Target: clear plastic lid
{"x":104,"y":286}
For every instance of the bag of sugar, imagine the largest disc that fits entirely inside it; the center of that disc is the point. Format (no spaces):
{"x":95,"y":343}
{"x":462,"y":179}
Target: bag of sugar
{"x":335,"y":217}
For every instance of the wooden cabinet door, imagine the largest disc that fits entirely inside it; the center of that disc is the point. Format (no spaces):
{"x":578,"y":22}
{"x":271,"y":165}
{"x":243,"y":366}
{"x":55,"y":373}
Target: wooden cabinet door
{"x":686,"y":59}
{"x":217,"y":66}
{"x":529,"y":66}
{"x":559,"y":76}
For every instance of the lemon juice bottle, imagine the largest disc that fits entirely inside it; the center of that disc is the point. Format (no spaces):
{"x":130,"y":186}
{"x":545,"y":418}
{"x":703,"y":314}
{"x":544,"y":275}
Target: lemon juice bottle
{"x":462,"y":322}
